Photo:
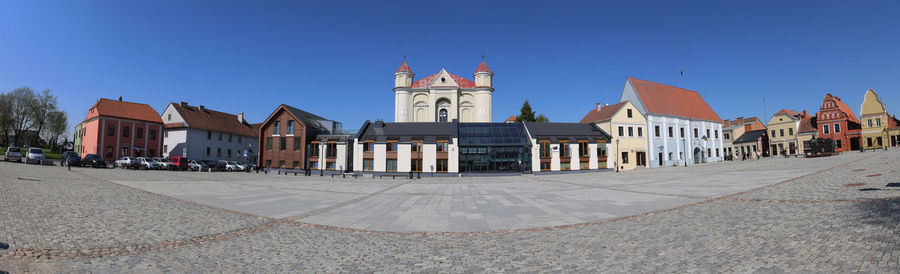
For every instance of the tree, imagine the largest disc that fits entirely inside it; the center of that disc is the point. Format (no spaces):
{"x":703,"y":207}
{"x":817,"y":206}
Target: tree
{"x":6,"y":120}
{"x":56,"y":127}
{"x":44,"y":104}
{"x":527,"y":114}
{"x":21,"y":101}
{"x":541,"y":118}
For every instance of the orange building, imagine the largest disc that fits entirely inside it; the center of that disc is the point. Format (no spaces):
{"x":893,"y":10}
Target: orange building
{"x":115,"y":129}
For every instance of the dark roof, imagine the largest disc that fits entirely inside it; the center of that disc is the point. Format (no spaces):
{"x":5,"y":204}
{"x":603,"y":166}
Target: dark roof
{"x":492,"y":134}
{"x":604,"y":113}
{"x":311,"y":120}
{"x":373,"y":130}
{"x":750,"y":136}
{"x":342,"y":138}
{"x":212,"y":120}
{"x":565,"y":130}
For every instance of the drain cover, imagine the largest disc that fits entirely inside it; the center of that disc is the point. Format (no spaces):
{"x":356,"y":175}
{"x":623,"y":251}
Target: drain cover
{"x":893,"y":185}
{"x":869,"y":189}
{"x":3,"y":245}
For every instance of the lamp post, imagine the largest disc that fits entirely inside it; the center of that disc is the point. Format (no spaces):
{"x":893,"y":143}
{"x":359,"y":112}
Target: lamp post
{"x":684,"y":159}
{"x":617,"y":155}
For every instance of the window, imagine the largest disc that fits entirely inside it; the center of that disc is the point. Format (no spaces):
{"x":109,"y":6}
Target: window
{"x":629,"y":113}
{"x":296,"y":165}
{"x":229,"y":138}
{"x":544,"y":149}
{"x":656,"y":131}
{"x":139,"y":133}
{"x":109,"y":152}
{"x":870,"y":122}
{"x":390,"y":146}
{"x":290,"y":129}
{"x":415,"y":165}
{"x":696,"y":133}
{"x":169,"y":116}
{"x":268,"y":163}
{"x":726,"y":136}
{"x":838,"y":143}
{"x":110,"y":131}
{"x":281,"y":163}
{"x":368,"y":146}
{"x":601,"y":149}
{"x":277,"y":129}
{"x":239,"y":139}
{"x":166,"y":148}
{"x":717,"y":134}
{"x":219,"y":152}
{"x":368,"y":164}
{"x":442,"y":165}
{"x":208,"y":135}
{"x":825,"y":129}
{"x":296,"y":143}
{"x":220,"y":136}
{"x":282,"y":143}
{"x":773,"y":133}
{"x":124,"y":151}
{"x":670,"y":133}
{"x":331,"y":150}
{"x":166,"y":133}
{"x":268,"y":143}
{"x":329,"y":165}
{"x":621,"y":131}
{"x":781,"y":131}
{"x":878,"y":122}
{"x":207,"y":151}
{"x":707,"y":134}
{"x":584,"y":165}
{"x":564,"y":166}
{"x":390,"y":165}
{"x":126,"y":131}
{"x":442,"y":117}
{"x":630,"y":131}
{"x":837,"y":128}
{"x":624,"y":157}
{"x":682,"y":132}
{"x":442,"y":146}
{"x":583,"y":150}
{"x":229,"y":153}
{"x":415,"y":146}
{"x":545,"y":166}
{"x":564,"y":150}
{"x":152,"y":134}
{"x":314,"y":149}
{"x":791,"y":131}
{"x":640,"y":132}
{"x":717,"y":153}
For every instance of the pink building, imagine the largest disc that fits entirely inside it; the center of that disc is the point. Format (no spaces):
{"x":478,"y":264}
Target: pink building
{"x":114,"y":129}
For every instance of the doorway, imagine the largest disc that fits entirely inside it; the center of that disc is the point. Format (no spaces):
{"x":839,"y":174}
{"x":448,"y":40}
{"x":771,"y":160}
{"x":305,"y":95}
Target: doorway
{"x":698,"y":155}
{"x":660,"y":159}
{"x":641,"y":158}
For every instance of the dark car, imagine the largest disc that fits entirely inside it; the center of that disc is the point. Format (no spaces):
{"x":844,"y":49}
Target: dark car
{"x":217,"y":166}
{"x":64,"y":158}
{"x":73,"y":160}
{"x":94,"y":161}
{"x":178,"y":163}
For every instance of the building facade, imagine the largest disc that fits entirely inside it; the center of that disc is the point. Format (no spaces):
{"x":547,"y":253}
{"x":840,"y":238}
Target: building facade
{"x":443,"y":97}
{"x":837,"y":121}
{"x":629,"y":137}
{"x":116,"y":128}
{"x":690,"y":131}
{"x":879,"y":128}
{"x":285,"y":135}
{"x":783,"y":133}
{"x":331,"y":152}
{"x":196,"y":132}
{"x":807,"y":130}
{"x":732,"y":129}
{"x":752,"y":144}
{"x":561,"y":147}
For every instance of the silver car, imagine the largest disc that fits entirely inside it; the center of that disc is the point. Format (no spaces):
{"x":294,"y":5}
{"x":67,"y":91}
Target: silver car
{"x":35,"y":155}
{"x":146,"y":163}
{"x":13,"y":154}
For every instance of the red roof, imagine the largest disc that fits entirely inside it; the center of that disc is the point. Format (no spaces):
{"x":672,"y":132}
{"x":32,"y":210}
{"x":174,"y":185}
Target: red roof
{"x":212,"y":120}
{"x":808,"y":124}
{"x":512,"y":118}
{"x":846,"y":109}
{"x":404,"y":68}
{"x":125,"y":110}
{"x":603,"y":113}
{"x":788,"y":112}
{"x":669,"y":100}
{"x":462,"y":82}
{"x":483,"y":68}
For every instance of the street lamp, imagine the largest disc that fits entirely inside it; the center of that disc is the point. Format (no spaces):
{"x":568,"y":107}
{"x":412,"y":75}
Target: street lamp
{"x":618,"y":155}
{"x":684,"y":151}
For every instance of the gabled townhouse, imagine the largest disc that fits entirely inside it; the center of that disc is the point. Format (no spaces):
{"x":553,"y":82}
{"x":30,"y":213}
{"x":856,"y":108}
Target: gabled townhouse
{"x":197,"y":132}
{"x":629,"y":137}
{"x":838,"y":122}
{"x":116,"y":128}
{"x":690,"y":131}
{"x":751,"y":144}
{"x":783,"y":132}
{"x":732,"y":129}
{"x":879,"y":128}
{"x":284,"y":138}
{"x":807,"y":130}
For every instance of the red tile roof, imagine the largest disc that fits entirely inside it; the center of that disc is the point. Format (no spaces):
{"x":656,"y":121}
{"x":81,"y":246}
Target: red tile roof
{"x":212,"y":120}
{"x":462,"y":82}
{"x":483,"y":68}
{"x":668,"y":100}
{"x":512,"y":118}
{"x":603,"y":113}
{"x":404,"y":68}
{"x":808,"y":124}
{"x":788,"y":112}
{"x":846,"y":109}
{"x":126,"y":110}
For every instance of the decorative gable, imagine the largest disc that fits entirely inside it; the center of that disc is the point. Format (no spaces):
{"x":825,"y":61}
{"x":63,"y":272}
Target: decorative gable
{"x":443,"y":79}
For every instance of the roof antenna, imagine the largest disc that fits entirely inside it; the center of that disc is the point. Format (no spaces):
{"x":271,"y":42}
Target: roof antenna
{"x":404,"y":56}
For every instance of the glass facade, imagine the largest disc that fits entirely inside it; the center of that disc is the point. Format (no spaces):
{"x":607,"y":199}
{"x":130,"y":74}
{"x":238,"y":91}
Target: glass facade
{"x":493,"y":147}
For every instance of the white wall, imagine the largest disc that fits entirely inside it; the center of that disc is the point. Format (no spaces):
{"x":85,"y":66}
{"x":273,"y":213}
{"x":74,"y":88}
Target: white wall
{"x":379,"y":159}
{"x":403,"y":154}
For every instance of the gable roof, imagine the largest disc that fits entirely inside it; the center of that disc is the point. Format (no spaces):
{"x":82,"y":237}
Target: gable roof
{"x":462,"y":82}
{"x":750,"y":136}
{"x":512,"y":118}
{"x":212,"y":120}
{"x":126,"y":110}
{"x":668,"y":100}
{"x":604,"y":113}
{"x":808,"y":124}
{"x":311,"y":120}
{"x":787,"y":112}
{"x":844,"y":107}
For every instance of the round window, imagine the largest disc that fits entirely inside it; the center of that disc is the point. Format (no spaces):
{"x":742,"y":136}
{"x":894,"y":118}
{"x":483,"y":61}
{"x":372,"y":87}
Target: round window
{"x":443,"y":80}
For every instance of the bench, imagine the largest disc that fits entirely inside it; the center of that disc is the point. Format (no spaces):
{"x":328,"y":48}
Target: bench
{"x":295,"y":172}
{"x":394,"y":175}
{"x":344,"y":175}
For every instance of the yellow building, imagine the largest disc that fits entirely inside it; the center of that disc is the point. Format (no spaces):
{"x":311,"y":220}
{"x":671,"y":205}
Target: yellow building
{"x":783,"y":131}
{"x":628,"y":146}
{"x":879,"y":129}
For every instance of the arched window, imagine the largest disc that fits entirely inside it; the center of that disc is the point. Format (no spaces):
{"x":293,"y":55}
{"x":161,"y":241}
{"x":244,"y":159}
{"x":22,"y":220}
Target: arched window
{"x":442,"y":115}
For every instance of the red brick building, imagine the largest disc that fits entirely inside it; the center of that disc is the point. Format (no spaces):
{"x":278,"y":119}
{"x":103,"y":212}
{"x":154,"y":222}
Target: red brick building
{"x":285,"y":136}
{"x":838,"y":122}
{"x":114,"y":129}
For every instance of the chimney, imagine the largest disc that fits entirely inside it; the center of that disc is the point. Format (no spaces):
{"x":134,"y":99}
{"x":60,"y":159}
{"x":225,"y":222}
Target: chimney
{"x":241,"y":117}
{"x":804,"y":113}
{"x":379,"y":124}
{"x":202,"y":108}
{"x":598,"y":106}
{"x":120,"y":98}
{"x":183,"y":104}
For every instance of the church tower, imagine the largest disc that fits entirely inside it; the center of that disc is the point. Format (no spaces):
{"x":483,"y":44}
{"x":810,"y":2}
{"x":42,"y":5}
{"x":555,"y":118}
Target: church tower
{"x":402,"y":86}
{"x":484,"y":90}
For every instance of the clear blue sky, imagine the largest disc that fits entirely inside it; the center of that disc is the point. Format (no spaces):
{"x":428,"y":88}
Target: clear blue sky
{"x":337,"y":58}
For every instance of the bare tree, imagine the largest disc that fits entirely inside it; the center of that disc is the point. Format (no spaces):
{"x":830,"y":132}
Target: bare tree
{"x":56,"y":128}
{"x":21,"y":100}
{"x":44,"y":104}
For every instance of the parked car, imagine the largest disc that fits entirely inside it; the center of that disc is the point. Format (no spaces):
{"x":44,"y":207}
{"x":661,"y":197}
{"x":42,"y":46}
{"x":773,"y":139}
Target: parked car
{"x":197,"y":165}
{"x":179,"y":163}
{"x":13,"y":153}
{"x":35,"y":155}
{"x":64,"y":157}
{"x":145,"y":163}
{"x":238,"y":165}
{"x":229,"y":166}
{"x":164,"y":163}
{"x":216,"y":166}
{"x":125,"y":162}
{"x":73,"y":160}
{"x":93,"y":160}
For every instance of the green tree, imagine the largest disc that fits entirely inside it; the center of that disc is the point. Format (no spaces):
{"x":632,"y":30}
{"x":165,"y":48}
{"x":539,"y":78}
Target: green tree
{"x":541,"y":118}
{"x":527,"y":114}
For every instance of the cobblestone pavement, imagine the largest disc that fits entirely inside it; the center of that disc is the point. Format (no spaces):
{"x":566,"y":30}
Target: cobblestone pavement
{"x":815,"y":222}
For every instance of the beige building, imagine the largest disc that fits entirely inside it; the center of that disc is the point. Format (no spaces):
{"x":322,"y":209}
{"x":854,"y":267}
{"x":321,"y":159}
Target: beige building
{"x":626,"y":125}
{"x":733,"y":129}
{"x":783,"y":131}
{"x":443,"y":96}
{"x":879,"y":129}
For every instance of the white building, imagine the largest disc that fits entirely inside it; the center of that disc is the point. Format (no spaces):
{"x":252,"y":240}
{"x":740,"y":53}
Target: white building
{"x":442,"y":97}
{"x":204,"y":134}
{"x":684,"y":128}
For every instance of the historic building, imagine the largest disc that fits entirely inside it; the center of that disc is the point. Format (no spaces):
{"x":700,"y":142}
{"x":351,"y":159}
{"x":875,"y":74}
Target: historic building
{"x":442,"y":97}
{"x":116,"y":128}
{"x":751,"y":144}
{"x":197,"y":132}
{"x":807,"y":130}
{"x":690,"y":129}
{"x":629,"y":137}
{"x":732,"y":129}
{"x":838,"y":122}
{"x":783,"y":133}
{"x":285,"y":135}
{"x":879,"y":128}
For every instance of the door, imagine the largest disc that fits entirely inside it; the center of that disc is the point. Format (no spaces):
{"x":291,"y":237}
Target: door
{"x":660,"y":159}
{"x":641,"y":159}
{"x":698,"y":155}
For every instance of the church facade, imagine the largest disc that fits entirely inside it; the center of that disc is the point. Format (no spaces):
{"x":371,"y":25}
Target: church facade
{"x":443,"y":97}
